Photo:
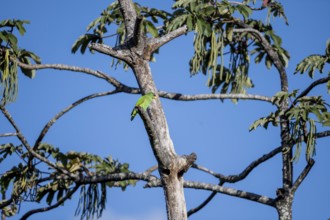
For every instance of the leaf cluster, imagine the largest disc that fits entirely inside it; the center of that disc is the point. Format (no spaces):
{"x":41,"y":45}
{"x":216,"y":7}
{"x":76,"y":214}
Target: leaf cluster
{"x":30,"y":183}
{"x":302,"y":116}
{"x":315,"y":62}
{"x":19,"y":179}
{"x":274,"y":40}
{"x":112,"y":16}
{"x":9,"y":53}
{"x":213,"y":24}
{"x":276,"y":9}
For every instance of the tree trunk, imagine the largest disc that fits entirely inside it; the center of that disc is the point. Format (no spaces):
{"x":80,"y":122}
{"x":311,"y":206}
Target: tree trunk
{"x":284,"y":207}
{"x":170,"y":165}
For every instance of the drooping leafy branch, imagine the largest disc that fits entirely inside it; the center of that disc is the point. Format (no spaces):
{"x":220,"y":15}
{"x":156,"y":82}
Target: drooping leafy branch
{"x":305,"y":111}
{"x":9,"y":49}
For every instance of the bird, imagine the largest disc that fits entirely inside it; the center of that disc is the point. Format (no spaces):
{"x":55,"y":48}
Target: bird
{"x":143,"y":102}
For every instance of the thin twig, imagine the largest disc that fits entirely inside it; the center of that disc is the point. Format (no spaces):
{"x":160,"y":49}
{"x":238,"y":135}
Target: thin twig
{"x":245,"y":172}
{"x":254,"y":164}
{"x":28,"y":147}
{"x":151,"y":169}
{"x":303,"y":175}
{"x":204,"y":203}
{"x":88,"y":71}
{"x":252,"y":8}
{"x":68,"y":108}
{"x":322,"y":134}
{"x":6,"y":202}
{"x":310,"y":87}
{"x":8,"y":134}
{"x":231,"y":178}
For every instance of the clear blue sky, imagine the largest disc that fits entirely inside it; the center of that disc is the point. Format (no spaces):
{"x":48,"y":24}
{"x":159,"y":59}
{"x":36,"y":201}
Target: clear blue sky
{"x":217,"y":132}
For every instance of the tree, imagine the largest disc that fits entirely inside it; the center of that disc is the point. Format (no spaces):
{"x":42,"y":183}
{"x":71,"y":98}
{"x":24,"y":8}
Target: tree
{"x":226,"y":37}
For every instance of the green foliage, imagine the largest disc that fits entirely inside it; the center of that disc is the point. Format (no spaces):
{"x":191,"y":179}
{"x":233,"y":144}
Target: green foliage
{"x":213,"y":24}
{"x":302,"y":116}
{"x":9,"y":53}
{"x":314,"y":62}
{"x":274,"y":40}
{"x":112,"y":17}
{"x":143,"y":102}
{"x":276,"y":9}
{"x":92,"y":201}
{"x":29,"y":183}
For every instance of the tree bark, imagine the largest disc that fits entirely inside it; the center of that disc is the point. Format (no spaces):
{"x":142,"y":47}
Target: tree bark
{"x":171,"y":166}
{"x":284,"y":205}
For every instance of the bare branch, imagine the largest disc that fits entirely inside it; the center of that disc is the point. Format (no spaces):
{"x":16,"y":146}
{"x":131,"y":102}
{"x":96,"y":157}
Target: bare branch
{"x":60,"y":114}
{"x":206,"y":170}
{"x":224,"y":190}
{"x":57,"y":204}
{"x":88,"y":71}
{"x":132,"y":90}
{"x":183,"y":97}
{"x":254,"y":164}
{"x":310,"y":87}
{"x":28,"y":147}
{"x":245,"y":172}
{"x":322,"y":134}
{"x":8,"y":134}
{"x":116,"y":177}
{"x":151,"y":169}
{"x":232,"y":178}
{"x":202,"y":205}
{"x":303,"y":175}
{"x":156,"y":43}
{"x":5,"y":203}
{"x":252,"y":8}
{"x":221,"y":189}
{"x":230,"y":191}
{"x":119,"y":53}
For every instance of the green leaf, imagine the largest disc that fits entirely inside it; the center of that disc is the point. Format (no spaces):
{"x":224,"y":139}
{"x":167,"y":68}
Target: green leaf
{"x":268,"y":62}
{"x":83,"y":41}
{"x":50,"y":197}
{"x":204,"y":27}
{"x":151,"y":28}
{"x":259,"y":57}
{"x":20,"y":26}
{"x":229,"y":32}
{"x":27,"y":72}
{"x":244,"y":10}
{"x":311,"y":63}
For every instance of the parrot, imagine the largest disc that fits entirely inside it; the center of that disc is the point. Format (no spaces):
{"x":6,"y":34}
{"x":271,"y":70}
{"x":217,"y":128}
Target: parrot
{"x":143,"y":102}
